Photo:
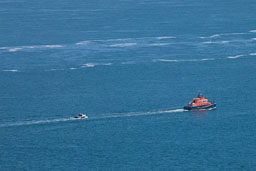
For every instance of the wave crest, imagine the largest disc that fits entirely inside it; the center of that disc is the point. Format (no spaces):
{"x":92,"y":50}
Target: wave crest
{"x":96,"y":64}
{"x":123,"y":45}
{"x":252,"y":54}
{"x":11,"y":70}
{"x":165,"y":37}
{"x":234,"y":57}
{"x":183,"y":60}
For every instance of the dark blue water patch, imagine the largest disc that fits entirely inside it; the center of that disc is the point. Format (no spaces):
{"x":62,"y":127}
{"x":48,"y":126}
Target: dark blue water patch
{"x":64,"y":22}
{"x":114,"y":142}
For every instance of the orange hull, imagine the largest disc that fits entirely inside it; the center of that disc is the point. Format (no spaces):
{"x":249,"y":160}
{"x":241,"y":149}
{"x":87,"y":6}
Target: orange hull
{"x":199,"y":103}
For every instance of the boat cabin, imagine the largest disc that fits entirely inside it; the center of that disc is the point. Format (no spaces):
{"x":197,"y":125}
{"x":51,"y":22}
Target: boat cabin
{"x":199,"y":101}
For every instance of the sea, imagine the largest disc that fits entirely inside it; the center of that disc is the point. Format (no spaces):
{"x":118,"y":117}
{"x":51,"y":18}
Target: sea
{"x":130,"y":66}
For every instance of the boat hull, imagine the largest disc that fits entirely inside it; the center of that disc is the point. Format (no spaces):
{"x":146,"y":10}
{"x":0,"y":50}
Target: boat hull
{"x":205,"y":107}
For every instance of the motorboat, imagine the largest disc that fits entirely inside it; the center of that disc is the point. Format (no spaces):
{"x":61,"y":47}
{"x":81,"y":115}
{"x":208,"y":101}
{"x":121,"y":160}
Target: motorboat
{"x":200,"y":103}
{"x":81,"y":116}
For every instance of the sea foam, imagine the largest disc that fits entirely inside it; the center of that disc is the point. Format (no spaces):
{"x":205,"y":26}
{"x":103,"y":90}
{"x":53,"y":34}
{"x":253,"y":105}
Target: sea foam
{"x":183,"y":60}
{"x":35,"y":122}
{"x":95,"y":64}
{"x":88,"y":65}
{"x":14,"y":49}
{"x":83,"y":42}
{"x":234,"y":57}
{"x":11,"y":70}
{"x":222,"y":34}
{"x":123,"y":45}
{"x":52,"y":46}
{"x":105,"y":116}
{"x":212,"y":36}
{"x":165,"y":37}
{"x":216,"y":42}
{"x":18,"y":48}
{"x":133,"y":114}
{"x":158,"y":44}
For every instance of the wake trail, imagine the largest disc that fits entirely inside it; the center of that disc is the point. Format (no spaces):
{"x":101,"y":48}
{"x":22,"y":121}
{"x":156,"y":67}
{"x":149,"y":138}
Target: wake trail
{"x":133,"y":114}
{"x":35,"y":122}
{"x":105,"y":116}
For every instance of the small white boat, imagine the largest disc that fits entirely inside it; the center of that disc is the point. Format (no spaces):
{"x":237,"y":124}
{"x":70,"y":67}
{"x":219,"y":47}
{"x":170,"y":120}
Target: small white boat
{"x":81,"y":116}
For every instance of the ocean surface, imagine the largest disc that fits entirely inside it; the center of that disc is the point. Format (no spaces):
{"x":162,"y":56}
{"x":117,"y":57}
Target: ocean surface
{"x":131,"y":66}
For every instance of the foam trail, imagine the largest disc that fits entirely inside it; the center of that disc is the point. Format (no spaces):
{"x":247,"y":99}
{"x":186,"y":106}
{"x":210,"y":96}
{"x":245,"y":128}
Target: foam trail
{"x":158,"y":44}
{"x":166,"y":60}
{"x":52,"y":46}
{"x":253,"y":38}
{"x":215,"y":35}
{"x":14,"y":49}
{"x":212,"y":36}
{"x":133,"y":114}
{"x":111,"y":40}
{"x":252,"y":31}
{"x":225,"y":41}
{"x":35,"y":122}
{"x":185,"y":60}
{"x":234,"y":57}
{"x":224,"y":34}
{"x":252,"y":54}
{"x":106,"y":116}
{"x":166,"y":37}
{"x":83,"y":42}
{"x":123,"y":45}
{"x":210,"y":42}
{"x":106,"y":40}
{"x":11,"y":70}
{"x":217,"y":42}
{"x":235,"y":33}
{"x":208,"y":59}
{"x":123,"y":39}
{"x":88,"y":65}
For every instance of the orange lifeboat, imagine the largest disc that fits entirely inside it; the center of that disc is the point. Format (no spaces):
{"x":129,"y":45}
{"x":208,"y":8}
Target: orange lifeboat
{"x":200,"y":103}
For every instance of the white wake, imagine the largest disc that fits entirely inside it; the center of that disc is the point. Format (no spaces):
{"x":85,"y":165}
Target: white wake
{"x":35,"y":122}
{"x":133,"y":114}
{"x":104,"y":116}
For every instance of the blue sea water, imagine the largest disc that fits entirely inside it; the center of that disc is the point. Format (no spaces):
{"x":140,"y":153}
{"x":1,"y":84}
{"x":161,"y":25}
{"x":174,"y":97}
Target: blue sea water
{"x":131,"y":66}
